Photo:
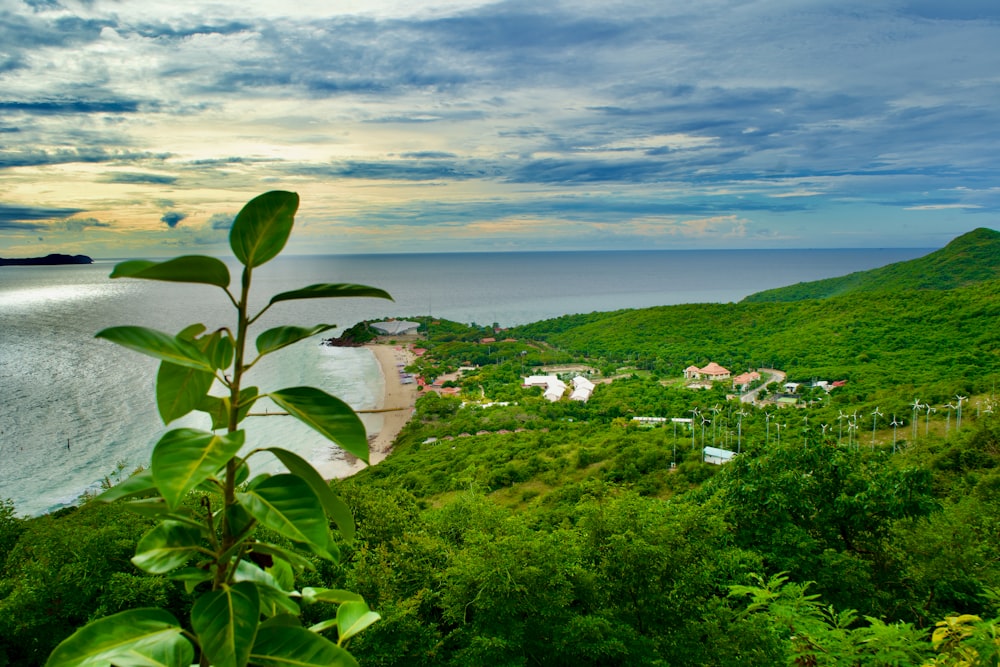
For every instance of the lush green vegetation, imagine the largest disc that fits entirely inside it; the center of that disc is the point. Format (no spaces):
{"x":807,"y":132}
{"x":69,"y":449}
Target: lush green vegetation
{"x":234,"y":543}
{"x":971,"y":258}
{"x":937,"y":341}
{"x":508,"y":530}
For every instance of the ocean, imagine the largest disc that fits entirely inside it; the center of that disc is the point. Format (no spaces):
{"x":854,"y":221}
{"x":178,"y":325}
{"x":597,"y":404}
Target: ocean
{"x":73,"y":408}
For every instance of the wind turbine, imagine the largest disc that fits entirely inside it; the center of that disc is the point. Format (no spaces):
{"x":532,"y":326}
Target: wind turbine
{"x":958,"y":423}
{"x":694,"y":413}
{"x":916,"y":406}
{"x":876,"y":413}
{"x":895,"y":424}
{"x":715,"y":413}
{"x":927,"y":420}
{"x":767,"y":420}
{"x":840,"y":426}
{"x":947,"y":423}
{"x":704,"y":420}
{"x":739,"y":431}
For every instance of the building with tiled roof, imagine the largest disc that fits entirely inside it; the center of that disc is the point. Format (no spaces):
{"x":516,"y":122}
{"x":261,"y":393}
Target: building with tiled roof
{"x":712,"y":371}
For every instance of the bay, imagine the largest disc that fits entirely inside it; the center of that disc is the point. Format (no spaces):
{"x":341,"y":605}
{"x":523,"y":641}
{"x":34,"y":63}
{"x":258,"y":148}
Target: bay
{"x":73,"y":407}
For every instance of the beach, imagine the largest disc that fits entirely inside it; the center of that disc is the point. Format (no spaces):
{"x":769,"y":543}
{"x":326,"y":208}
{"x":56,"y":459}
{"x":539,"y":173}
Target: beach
{"x":390,"y":414}
{"x":398,"y":399}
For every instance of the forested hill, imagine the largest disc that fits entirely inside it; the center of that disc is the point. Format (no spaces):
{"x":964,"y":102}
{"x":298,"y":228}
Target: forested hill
{"x":911,"y":337}
{"x":971,"y":258}
{"x":54,"y":259}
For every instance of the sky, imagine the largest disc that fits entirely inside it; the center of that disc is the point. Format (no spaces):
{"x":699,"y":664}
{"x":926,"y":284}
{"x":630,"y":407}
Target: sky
{"x":139,"y":129}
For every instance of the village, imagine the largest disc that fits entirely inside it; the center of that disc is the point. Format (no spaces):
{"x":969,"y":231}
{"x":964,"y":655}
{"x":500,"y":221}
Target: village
{"x":577,"y":382}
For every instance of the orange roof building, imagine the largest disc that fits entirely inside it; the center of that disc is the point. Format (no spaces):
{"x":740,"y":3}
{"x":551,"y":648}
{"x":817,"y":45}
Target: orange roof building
{"x":712,"y":371}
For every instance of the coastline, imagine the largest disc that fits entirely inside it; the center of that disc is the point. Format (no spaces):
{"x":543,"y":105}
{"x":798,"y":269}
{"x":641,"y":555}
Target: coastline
{"x":398,"y":399}
{"x":393,"y":408}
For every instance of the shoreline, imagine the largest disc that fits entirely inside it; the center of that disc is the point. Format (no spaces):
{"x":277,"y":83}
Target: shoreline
{"x":397,"y":401}
{"x":394,"y":407}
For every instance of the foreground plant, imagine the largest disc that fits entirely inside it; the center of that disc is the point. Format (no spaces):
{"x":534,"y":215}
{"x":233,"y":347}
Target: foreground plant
{"x":246,"y":607}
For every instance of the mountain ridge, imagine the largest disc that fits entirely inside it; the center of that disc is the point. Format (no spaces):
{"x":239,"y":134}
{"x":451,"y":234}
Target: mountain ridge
{"x":968,"y":259}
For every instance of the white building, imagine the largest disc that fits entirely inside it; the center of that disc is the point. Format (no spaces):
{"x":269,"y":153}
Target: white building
{"x":395,"y":327}
{"x":554,"y":387}
{"x":582,"y":389}
{"x":716,"y":455}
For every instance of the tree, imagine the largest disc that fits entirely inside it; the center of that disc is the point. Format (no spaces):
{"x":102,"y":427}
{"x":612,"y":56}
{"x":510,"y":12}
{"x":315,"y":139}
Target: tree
{"x":246,"y":610}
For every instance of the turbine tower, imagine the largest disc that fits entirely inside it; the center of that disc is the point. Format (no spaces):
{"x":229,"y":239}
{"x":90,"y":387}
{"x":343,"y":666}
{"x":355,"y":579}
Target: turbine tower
{"x":895,"y":424}
{"x":916,"y":407}
{"x":876,"y":413}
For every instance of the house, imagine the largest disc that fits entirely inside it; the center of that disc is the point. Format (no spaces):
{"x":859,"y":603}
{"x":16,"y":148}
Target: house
{"x":743,"y":381}
{"x":582,"y":389}
{"x":712,"y":372}
{"x":555,"y":391}
{"x":717,"y":456}
{"x":554,"y":387}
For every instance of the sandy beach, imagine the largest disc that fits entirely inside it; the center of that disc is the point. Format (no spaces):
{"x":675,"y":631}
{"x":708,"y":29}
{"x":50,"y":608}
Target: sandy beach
{"x":393,"y":410}
{"x":398,"y":399}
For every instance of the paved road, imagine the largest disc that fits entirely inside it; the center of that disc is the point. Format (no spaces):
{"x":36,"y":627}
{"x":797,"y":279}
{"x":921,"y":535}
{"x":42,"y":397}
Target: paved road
{"x":769,"y":375}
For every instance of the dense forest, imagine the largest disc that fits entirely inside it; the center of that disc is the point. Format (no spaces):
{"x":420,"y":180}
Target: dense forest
{"x":857,"y":528}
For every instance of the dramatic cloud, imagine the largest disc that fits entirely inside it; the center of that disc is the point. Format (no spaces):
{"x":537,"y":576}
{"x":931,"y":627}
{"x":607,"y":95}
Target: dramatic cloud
{"x":25,"y":217}
{"x":638,"y":123}
{"x":221,"y":221}
{"x":172,"y":218}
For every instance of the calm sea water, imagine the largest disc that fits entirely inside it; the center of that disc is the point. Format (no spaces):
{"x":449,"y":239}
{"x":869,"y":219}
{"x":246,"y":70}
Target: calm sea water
{"x":72,"y":407}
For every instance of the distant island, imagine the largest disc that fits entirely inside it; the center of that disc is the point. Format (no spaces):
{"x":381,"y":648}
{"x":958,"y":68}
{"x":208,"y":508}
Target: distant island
{"x":49,"y":260}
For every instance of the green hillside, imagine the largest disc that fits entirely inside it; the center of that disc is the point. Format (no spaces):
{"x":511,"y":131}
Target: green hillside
{"x":505,"y":529}
{"x":971,"y":258}
{"x":910,"y":339}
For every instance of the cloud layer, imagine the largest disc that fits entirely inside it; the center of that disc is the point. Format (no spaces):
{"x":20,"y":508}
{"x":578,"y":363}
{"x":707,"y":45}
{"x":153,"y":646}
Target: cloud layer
{"x":456,"y":125}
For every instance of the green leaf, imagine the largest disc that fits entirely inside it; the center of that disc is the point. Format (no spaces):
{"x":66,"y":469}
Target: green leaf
{"x":152,"y":508}
{"x":273,"y":599}
{"x":180,"y":389}
{"x":169,"y":545}
{"x":238,"y":517}
{"x":159,"y":345}
{"x":178,"y":653}
{"x":139,"y":484}
{"x":119,"y":637}
{"x":282,"y":621}
{"x":191,"y":332}
{"x":226,"y":623}
{"x":282,"y":572}
{"x":298,"y":562}
{"x":185,"y":457}
{"x":352,"y":618}
{"x":279,"y":337}
{"x":217,"y":409}
{"x":218,"y":349}
{"x":332,"y":595}
{"x":185,"y":269}
{"x":327,"y":414}
{"x":331,"y":290}
{"x":335,"y":508}
{"x":286,"y":645}
{"x":262,"y":228}
{"x":194,"y":575}
{"x":287,"y":505}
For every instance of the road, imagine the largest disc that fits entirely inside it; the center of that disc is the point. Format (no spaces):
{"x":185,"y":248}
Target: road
{"x":769,"y":375}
